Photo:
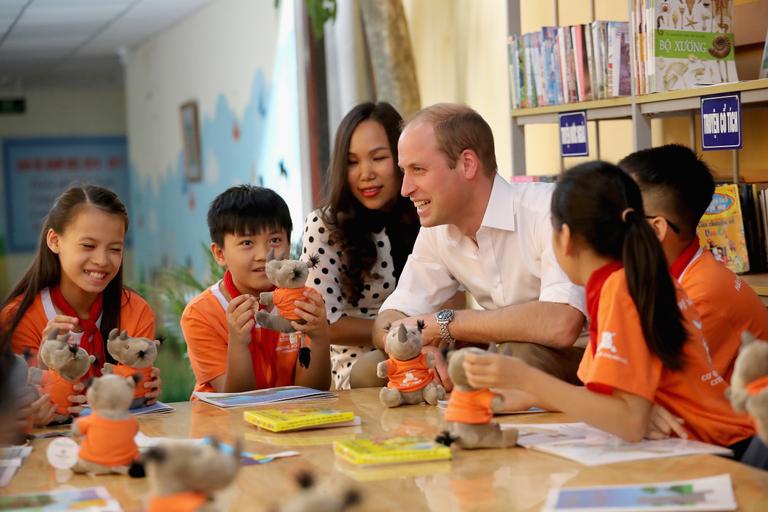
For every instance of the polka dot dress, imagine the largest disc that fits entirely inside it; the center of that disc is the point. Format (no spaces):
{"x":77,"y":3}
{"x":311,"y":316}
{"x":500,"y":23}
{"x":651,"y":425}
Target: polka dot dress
{"x":325,"y":278}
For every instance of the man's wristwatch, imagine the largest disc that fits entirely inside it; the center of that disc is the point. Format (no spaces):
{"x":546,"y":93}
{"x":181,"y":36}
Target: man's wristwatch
{"x":444,"y":317}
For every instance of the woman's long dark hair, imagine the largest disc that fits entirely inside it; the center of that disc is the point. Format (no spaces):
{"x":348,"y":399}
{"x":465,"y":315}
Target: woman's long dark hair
{"x":45,"y":269}
{"x":346,"y":217}
{"x":603,"y":207}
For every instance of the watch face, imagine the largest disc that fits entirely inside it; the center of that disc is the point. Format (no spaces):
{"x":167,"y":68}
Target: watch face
{"x":444,"y":315}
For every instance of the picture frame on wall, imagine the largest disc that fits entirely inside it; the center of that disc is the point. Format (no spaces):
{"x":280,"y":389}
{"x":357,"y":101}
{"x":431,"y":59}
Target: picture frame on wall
{"x":190,"y":136}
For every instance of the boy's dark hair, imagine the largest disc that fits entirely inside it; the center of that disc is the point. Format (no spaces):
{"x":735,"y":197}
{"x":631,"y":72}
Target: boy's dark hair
{"x":677,"y":178}
{"x":247,"y":210}
{"x":603,"y":207}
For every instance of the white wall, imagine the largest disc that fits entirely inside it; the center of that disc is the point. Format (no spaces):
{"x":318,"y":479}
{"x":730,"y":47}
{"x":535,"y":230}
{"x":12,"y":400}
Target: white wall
{"x":225,"y":57}
{"x":56,"y":112}
{"x":216,"y":51}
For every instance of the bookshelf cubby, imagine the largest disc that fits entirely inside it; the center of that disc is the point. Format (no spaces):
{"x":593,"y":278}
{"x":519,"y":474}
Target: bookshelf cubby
{"x":639,"y":109}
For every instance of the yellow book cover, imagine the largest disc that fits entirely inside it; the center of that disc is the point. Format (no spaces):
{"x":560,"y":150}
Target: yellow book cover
{"x":362,"y":451}
{"x":721,"y":229}
{"x":282,"y":420}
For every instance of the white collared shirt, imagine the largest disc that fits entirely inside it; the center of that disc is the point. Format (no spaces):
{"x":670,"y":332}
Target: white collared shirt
{"x":512,"y":263}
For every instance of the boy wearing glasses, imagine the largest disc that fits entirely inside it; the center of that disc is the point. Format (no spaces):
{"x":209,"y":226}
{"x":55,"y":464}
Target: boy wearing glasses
{"x":677,"y":188}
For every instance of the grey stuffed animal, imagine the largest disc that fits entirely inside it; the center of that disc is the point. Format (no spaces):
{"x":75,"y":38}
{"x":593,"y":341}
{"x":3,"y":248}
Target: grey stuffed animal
{"x":185,"y":476}
{"x":411,"y":374}
{"x":749,"y":383}
{"x":136,"y":357}
{"x":315,"y":498}
{"x":289,"y":276}
{"x":470,"y":411}
{"x":107,"y":444}
{"x":67,"y":363}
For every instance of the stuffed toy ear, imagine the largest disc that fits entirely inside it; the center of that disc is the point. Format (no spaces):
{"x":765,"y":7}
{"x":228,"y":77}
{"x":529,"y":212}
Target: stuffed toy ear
{"x":113,"y":333}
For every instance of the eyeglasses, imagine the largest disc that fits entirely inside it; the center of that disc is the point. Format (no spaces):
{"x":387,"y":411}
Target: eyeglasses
{"x":669,"y":223}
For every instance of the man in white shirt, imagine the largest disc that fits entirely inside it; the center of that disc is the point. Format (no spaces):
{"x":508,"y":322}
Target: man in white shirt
{"x":488,"y":236}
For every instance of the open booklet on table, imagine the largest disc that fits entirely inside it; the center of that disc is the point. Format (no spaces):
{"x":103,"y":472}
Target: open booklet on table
{"x":591,"y":447}
{"x":295,"y":394}
{"x":712,"y":493}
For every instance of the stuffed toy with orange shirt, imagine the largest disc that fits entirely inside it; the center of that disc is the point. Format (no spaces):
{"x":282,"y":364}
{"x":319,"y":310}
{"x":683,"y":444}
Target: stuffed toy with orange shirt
{"x":411,"y":374}
{"x":749,"y":383}
{"x":470,"y":411}
{"x":136,"y":356}
{"x":107,"y":434}
{"x":289,"y":277}
{"x":184,"y":476}
{"x":67,"y":363}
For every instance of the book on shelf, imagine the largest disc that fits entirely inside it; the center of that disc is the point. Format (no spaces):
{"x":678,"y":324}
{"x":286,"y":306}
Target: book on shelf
{"x":284,"y":420}
{"x":680,"y":44}
{"x":294,"y":394}
{"x":698,"y":494}
{"x":370,"y":452}
{"x":558,"y":65}
{"x":590,"y":446}
{"x":721,"y":229}
{"x":764,"y":60}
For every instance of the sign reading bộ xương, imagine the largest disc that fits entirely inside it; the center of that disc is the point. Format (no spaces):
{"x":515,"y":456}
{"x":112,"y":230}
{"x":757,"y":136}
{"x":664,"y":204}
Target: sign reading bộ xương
{"x":573,"y":134}
{"x":721,"y":122}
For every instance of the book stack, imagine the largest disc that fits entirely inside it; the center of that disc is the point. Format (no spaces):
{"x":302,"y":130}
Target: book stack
{"x":568,"y":64}
{"x":286,"y":420}
{"x":681,"y":44}
{"x":369,"y":452}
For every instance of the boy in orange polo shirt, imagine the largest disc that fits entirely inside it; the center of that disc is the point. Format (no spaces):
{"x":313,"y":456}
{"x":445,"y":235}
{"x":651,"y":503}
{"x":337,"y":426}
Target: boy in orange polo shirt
{"x":228,"y":350}
{"x":677,"y":188}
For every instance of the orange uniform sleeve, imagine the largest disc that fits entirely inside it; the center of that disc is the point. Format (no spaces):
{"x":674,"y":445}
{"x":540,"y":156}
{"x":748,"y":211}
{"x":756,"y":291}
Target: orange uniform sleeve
{"x":29,"y":332}
{"x":205,"y":332}
{"x":622,"y":360}
{"x":137,"y":317}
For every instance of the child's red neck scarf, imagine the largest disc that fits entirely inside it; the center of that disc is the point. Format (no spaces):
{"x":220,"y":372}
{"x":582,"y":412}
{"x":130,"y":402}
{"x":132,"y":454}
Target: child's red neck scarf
{"x":92,"y":340}
{"x":681,"y":263}
{"x":594,"y":287}
{"x":263,"y":344}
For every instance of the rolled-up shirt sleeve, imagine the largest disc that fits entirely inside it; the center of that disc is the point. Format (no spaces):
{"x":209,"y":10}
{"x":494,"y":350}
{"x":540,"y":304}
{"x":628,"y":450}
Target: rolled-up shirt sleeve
{"x":425,"y":282}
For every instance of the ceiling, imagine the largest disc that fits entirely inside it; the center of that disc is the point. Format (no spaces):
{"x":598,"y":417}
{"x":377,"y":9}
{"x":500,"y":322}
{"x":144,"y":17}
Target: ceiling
{"x":77,"y":42}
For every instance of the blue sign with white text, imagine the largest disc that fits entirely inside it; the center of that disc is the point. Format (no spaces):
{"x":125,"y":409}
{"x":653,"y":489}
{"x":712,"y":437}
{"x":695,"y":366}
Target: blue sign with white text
{"x":37,"y":170}
{"x":721,"y":122}
{"x":573,"y":134}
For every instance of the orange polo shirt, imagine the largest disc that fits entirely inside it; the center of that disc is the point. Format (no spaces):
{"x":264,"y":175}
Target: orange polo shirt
{"x":108,"y":442}
{"x":136,"y":317}
{"x":728,"y":306}
{"x":204,"y":324}
{"x":409,"y":375}
{"x":58,"y":389}
{"x":145,"y":375}
{"x":470,"y":406}
{"x":180,"y":502}
{"x":284,"y":298}
{"x":620,"y":359}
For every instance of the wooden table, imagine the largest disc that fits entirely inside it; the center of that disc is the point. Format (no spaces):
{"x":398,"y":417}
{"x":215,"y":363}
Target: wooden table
{"x":512,"y":479}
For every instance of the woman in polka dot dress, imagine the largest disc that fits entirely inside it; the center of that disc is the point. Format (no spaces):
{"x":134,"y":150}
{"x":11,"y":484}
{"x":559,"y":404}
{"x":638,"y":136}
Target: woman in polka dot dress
{"x":363,"y":233}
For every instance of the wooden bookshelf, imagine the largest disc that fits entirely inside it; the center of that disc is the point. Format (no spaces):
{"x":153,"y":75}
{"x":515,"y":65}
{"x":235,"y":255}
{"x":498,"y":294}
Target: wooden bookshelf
{"x":609,"y":108}
{"x":639,"y":109}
